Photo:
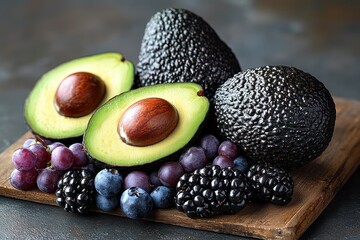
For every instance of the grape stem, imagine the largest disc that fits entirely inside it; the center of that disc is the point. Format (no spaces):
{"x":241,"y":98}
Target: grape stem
{"x":40,"y":140}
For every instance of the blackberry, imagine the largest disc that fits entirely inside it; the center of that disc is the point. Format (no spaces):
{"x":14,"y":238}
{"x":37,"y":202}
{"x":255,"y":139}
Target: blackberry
{"x":271,"y":184}
{"x":211,"y":191}
{"x":75,"y":192}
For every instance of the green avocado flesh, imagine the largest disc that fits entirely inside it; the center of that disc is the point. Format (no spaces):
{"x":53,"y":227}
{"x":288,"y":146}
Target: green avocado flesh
{"x":102,"y":141}
{"x":40,"y":113}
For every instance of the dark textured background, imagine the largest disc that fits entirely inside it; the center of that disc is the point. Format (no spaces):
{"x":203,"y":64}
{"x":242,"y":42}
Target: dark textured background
{"x":320,"y":37}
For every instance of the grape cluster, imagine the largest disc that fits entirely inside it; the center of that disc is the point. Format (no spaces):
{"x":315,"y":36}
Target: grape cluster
{"x":41,"y":163}
{"x":208,"y":151}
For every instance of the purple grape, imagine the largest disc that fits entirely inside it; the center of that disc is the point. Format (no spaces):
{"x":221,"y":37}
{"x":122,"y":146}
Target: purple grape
{"x":210,"y":144}
{"x":23,"y":180}
{"x":42,"y":155}
{"x":80,"y":158}
{"x":193,"y":158}
{"x":138,"y":179}
{"x":90,"y":167}
{"x":47,"y":180}
{"x":154,"y":178}
{"x":28,"y":142}
{"x":54,"y":145}
{"x":36,"y":140}
{"x":170,"y":172}
{"x":228,"y":149}
{"x":223,"y":161}
{"x":62,"y":158}
{"x":23,"y":159}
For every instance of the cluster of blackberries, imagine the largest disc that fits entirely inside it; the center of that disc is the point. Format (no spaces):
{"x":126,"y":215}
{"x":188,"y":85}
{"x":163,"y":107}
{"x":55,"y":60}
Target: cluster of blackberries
{"x":213,"y":190}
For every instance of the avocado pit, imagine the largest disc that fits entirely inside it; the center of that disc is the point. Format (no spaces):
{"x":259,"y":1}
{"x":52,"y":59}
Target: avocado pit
{"x":79,"y":94}
{"x":147,"y":121}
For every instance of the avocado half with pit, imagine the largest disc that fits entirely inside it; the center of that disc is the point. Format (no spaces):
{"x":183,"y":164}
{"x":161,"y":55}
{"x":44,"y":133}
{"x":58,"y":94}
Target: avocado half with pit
{"x":63,"y":100}
{"x":145,"y":126}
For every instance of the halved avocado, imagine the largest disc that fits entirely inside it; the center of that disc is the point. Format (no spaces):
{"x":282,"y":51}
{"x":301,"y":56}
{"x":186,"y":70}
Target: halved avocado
{"x":102,"y":140}
{"x":42,"y":115}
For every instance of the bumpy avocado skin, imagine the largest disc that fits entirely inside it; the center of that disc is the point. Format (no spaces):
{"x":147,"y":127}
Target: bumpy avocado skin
{"x":276,"y":114}
{"x":179,"y":46}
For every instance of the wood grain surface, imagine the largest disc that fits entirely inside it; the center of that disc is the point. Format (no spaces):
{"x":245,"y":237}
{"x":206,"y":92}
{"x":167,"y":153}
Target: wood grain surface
{"x":315,"y":186}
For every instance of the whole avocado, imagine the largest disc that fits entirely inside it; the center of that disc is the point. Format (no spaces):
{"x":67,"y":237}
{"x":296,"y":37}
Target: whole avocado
{"x":276,"y":114}
{"x":179,"y":46}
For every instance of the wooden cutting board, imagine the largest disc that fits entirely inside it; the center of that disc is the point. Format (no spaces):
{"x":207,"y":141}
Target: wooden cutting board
{"x":315,"y":186}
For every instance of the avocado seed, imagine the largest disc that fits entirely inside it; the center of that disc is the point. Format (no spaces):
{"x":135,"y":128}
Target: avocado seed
{"x":79,"y":94}
{"x":147,"y":122}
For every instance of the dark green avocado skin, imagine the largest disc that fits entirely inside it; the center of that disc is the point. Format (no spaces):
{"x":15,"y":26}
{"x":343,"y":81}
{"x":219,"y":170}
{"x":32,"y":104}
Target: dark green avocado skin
{"x":276,"y":114}
{"x":65,"y":141}
{"x":179,"y":46}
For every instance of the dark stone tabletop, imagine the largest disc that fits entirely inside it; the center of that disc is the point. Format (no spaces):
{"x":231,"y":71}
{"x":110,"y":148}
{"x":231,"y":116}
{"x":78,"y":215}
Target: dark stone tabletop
{"x":319,"y":37}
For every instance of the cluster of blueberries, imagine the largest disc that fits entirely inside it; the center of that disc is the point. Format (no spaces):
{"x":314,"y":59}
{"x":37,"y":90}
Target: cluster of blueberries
{"x":135,"y":202}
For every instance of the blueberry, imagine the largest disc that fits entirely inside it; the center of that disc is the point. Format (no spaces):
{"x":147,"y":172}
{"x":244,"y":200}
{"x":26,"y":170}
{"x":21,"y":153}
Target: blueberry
{"x":136,"y":203}
{"x":241,"y":163}
{"x":108,"y":182}
{"x":107,"y":203}
{"x":163,"y":197}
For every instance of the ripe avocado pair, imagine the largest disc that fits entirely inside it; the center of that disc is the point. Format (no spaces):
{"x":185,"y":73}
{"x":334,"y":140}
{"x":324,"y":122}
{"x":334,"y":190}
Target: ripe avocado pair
{"x":274,"y":114}
{"x":124,"y":128}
